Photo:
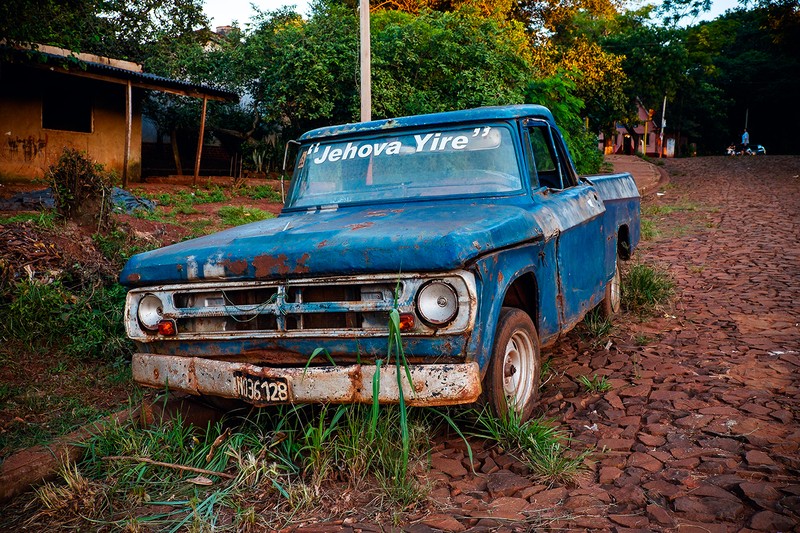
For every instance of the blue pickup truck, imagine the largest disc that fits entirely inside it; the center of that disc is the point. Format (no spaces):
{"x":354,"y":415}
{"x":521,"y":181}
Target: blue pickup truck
{"x":471,"y":228}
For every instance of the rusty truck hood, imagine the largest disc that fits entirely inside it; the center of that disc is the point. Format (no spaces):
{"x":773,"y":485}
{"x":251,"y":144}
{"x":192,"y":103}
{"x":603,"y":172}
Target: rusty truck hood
{"x":363,"y":240}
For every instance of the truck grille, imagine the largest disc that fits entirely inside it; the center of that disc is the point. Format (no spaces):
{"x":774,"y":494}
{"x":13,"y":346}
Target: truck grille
{"x":341,"y":307}
{"x":283,"y":308}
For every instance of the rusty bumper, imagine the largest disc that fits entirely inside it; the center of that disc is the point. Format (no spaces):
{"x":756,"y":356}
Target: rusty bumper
{"x":432,"y":384}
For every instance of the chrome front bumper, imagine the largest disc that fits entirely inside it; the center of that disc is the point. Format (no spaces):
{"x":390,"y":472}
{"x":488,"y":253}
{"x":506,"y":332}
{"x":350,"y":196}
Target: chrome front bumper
{"x":433,"y":384}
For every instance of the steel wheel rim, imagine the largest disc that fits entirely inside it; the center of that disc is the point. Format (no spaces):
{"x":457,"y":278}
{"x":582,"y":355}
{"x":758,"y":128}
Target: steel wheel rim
{"x":616,"y":290}
{"x":518,"y":368}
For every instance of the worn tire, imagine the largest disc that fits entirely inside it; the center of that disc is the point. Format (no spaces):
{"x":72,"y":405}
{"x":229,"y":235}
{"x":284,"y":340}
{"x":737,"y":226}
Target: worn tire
{"x":515,"y":367}
{"x":612,"y":300}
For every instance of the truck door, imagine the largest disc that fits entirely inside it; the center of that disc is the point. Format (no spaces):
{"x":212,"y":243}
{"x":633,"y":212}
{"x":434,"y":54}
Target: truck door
{"x":576,"y":210}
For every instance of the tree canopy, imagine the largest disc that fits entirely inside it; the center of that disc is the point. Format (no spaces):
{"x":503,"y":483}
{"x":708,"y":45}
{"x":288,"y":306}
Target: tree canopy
{"x":593,"y":61}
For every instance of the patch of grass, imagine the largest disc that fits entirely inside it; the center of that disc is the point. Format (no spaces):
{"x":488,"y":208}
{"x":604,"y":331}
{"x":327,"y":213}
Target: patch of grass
{"x":262,"y":192}
{"x":648,"y":230}
{"x":644,"y":287}
{"x":183,"y":199}
{"x":45,"y":415}
{"x":184,"y":210}
{"x":44,"y":219}
{"x":537,"y":442}
{"x":640,"y":339}
{"x":198,"y":228}
{"x":595,"y":383}
{"x":664,"y":210}
{"x":287,"y":456}
{"x":236,"y":216}
{"x":86,"y":324}
{"x":59,"y":501}
{"x":651,"y":213}
{"x":7,"y":392}
{"x":118,"y":247}
{"x":597,"y":326}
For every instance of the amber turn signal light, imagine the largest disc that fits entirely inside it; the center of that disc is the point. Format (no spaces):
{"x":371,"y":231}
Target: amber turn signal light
{"x":167,"y":328}
{"x":406,"y":321}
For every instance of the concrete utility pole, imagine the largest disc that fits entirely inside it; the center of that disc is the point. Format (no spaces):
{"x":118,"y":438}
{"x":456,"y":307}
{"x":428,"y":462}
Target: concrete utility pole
{"x":663,"y":125}
{"x":366,"y":75}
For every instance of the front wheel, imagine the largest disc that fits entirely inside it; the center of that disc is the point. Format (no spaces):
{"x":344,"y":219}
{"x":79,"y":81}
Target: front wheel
{"x":612,"y":300}
{"x":514,"y":371}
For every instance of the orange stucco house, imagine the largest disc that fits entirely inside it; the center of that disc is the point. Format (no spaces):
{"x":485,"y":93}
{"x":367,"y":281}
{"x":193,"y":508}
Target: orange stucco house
{"x":53,"y":99}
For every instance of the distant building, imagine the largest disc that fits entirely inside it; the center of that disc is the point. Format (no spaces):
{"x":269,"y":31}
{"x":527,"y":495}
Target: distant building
{"x":51,"y":99}
{"x":627,"y":141}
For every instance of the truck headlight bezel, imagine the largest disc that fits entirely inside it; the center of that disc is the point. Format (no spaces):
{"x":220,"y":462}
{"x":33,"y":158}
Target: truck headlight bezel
{"x":437,"y":303}
{"x":150,"y":311}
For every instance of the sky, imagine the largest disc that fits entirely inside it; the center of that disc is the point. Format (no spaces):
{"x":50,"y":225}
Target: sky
{"x":224,"y":12}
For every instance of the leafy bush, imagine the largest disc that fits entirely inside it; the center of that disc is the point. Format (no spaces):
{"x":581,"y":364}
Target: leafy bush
{"x":81,"y":188}
{"x":557,"y":93}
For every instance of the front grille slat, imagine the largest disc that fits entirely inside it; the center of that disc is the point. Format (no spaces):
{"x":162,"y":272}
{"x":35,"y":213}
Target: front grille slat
{"x":281,"y":308}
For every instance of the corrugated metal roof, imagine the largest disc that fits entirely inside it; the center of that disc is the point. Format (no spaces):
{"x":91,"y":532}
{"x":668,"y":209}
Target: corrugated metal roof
{"x":100,"y":70}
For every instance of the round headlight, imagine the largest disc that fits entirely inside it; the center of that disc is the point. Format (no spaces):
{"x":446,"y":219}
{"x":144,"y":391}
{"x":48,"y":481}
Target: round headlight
{"x":437,"y":303}
{"x":150,"y":310}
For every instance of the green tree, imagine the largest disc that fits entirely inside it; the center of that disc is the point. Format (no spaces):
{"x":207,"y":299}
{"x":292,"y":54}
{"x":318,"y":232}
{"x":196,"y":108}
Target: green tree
{"x":123,"y":29}
{"x":557,"y":93}
{"x":749,"y":70}
{"x":441,"y":61}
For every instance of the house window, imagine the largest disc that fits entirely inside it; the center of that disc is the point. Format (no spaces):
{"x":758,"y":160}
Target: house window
{"x":67,"y":108}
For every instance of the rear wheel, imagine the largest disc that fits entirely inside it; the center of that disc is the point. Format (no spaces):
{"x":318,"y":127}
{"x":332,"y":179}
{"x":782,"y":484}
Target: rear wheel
{"x":512,"y":380}
{"x":612,"y":301}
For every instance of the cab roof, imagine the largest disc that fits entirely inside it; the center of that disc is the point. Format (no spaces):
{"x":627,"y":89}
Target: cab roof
{"x":479,"y":114}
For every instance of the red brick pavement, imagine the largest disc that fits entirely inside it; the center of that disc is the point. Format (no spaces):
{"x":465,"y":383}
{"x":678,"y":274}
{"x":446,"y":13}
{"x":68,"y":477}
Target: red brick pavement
{"x":700,"y":431}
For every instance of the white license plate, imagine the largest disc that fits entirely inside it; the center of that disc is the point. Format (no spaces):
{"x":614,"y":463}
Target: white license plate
{"x":261,"y":390}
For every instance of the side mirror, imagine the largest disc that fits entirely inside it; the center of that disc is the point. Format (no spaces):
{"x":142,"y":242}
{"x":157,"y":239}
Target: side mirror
{"x":285,"y":156}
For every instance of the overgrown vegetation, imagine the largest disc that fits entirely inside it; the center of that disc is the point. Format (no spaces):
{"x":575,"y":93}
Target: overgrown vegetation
{"x":81,"y":189}
{"x":263,"y":467}
{"x":597,"y":326}
{"x":538,"y":443}
{"x":645,"y":287}
{"x":84,"y":323}
{"x":63,"y":347}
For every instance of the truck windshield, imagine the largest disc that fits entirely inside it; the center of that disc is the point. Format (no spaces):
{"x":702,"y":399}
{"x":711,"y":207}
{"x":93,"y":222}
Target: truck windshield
{"x":478,"y":160}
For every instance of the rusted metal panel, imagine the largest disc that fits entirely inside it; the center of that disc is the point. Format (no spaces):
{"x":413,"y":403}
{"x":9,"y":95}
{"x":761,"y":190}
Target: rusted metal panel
{"x":431,"y":384}
{"x":422,"y":237}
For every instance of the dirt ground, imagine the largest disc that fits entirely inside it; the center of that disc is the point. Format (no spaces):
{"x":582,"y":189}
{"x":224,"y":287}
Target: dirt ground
{"x":700,"y":429}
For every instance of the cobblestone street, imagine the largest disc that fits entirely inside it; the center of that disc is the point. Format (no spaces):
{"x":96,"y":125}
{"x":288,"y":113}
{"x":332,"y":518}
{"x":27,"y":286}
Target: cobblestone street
{"x":700,"y":430}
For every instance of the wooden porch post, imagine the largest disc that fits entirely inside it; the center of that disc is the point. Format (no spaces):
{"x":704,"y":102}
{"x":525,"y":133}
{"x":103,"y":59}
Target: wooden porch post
{"x":200,"y":142}
{"x":128,"y":125}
